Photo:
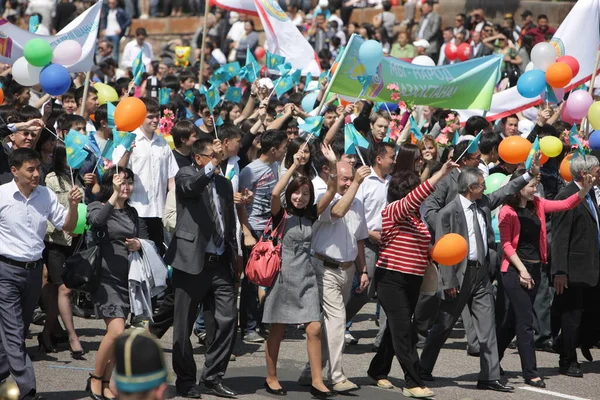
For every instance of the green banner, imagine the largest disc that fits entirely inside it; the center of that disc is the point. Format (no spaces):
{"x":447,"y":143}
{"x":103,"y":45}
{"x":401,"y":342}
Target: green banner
{"x":466,"y":85}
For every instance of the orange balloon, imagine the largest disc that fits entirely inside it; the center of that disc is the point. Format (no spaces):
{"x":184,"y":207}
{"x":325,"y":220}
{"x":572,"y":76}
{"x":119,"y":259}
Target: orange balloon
{"x":130,"y":114}
{"x":514,"y":149}
{"x":450,"y":249}
{"x":543,"y":159}
{"x":1,"y":96}
{"x":559,"y":75}
{"x":565,"y":168}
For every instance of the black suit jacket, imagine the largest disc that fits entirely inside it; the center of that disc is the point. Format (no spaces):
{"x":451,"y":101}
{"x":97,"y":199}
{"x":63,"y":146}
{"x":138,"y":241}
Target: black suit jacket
{"x":194,"y":226}
{"x":574,"y":244}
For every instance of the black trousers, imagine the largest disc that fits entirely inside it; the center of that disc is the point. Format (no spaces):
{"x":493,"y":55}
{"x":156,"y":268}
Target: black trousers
{"x":520,"y":318}
{"x":152,"y":229}
{"x":398,"y":294}
{"x":567,"y":309}
{"x":190,"y":290}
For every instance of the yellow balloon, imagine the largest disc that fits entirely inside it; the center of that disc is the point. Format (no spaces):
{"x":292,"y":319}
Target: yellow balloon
{"x":594,"y":115}
{"x":551,"y":146}
{"x":106,"y":93}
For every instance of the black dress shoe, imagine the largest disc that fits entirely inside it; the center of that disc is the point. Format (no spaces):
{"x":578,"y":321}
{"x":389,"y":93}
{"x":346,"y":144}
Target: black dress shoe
{"x":277,"y":392}
{"x":494,"y":385}
{"x":426,"y":376}
{"x":538,"y":384}
{"x":571,"y":369}
{"x":473,"y":353}
{"x":317,"y":394}
{"x":548,"y":347}
{"x":587,"y":354}
{"x":189,"y":393}
{"x":219,"y":390}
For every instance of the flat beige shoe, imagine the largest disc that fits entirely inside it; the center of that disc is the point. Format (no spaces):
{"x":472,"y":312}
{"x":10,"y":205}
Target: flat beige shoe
{"x":418,"y":392}
{"x":384,"y":384}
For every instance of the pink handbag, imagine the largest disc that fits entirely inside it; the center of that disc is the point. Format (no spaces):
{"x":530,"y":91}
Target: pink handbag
{"x":265,"y":259}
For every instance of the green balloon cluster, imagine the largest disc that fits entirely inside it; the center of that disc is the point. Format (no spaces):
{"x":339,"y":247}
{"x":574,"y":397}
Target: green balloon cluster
{"x":494,"y":182}
{"x":38,"y":52}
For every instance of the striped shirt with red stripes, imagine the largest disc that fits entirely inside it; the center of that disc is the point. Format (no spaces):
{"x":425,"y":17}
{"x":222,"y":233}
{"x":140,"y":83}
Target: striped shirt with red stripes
{"x":405,"y":238}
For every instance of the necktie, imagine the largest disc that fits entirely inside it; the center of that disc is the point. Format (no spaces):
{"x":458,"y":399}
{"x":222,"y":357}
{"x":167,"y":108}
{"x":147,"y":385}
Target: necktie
{"x":594,"y":211}
{"x":478,"y":236}
{"x":217,"y":236}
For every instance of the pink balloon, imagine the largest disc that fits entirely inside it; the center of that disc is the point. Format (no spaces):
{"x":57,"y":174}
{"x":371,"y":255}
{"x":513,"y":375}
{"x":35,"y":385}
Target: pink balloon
{"x":565,"y":117}
{"x":578,"y":104}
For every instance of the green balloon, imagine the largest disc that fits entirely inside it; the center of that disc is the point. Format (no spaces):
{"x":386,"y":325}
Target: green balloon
{"x":494,"y":182}
{"x":81,"y":219}
{"x":38,"y":52}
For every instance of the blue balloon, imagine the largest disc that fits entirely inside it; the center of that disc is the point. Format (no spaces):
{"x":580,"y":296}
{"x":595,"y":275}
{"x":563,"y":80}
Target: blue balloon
{"x":532,"y":83}
{"x":370,"y":54}
{"x":55,"y":79}
{"x":308,"y":102}
{"x":594,"y":141}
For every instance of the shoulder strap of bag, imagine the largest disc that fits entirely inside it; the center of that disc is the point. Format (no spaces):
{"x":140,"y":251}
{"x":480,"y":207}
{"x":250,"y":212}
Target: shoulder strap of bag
{"x":281,"y":226}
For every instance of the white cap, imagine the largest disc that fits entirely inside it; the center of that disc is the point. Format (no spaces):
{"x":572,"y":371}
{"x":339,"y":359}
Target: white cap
{"x":464,"y":138}
{"x":266,"y":82}
{"x":421,"y":43}
{"x":525,"y":127}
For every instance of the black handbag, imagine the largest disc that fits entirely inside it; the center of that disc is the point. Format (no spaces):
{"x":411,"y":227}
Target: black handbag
{"x":82,"y":270}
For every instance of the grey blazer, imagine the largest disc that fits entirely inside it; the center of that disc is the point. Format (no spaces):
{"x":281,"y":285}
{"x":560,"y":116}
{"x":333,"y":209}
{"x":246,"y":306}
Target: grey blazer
{"x":432,"y":33}
{"x":194,"y":224}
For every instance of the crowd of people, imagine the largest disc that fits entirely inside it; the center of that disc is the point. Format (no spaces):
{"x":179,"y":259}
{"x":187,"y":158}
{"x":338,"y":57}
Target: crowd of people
{"x":202,"y":184}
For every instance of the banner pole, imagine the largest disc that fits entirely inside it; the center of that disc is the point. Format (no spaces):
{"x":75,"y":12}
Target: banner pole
{"x":86,"y":87}
{"x":204,"y":33}
{"x":337,"y":71}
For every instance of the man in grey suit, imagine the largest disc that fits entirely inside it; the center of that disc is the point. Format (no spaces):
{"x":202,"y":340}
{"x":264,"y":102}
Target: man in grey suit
{"x":468,"y":282}
{"x":202,"y":254}
{"x":429,"y":29}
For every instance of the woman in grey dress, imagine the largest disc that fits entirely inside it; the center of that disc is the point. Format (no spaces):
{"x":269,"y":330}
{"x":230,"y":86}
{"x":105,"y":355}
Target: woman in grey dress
{"x":294,"y":296}
{"x":115,"y":225}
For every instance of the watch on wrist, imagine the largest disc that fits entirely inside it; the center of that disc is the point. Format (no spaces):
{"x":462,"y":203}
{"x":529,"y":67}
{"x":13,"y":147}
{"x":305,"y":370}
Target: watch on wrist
{"x":364,"y":273}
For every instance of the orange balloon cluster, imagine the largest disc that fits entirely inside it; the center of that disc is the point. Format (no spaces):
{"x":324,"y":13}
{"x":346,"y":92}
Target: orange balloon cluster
{"x":565,"y":168}
{"x":130,"y":114}
{"x":450,"y":249}
{"x":1,"y":96}
{"x":559,"y":74}
{"x":514,"y":149}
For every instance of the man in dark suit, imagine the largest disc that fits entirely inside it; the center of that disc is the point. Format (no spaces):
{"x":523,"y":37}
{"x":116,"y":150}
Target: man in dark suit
{"x":575,"y":263}
{"x":202,"y":254}
{"x":429,"y":28}
{"x":468,"y":282}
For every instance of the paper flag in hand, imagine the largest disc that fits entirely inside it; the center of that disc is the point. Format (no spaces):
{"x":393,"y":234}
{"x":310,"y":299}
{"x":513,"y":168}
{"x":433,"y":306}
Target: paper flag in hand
{"x":75,"y":142}
{"x":297,"y":77}
{"x":34,"y":23}
{"x":138,"y":69}
{"x":534,"y":149}
{"x":307,"y":81}
{"x":284,"y":69}
{"x":109,"y":147}
{"x":219,"y":76}
{"x":189,"y":96}
{"x":124,"y":139}
{"x":312,"y":125}
{"x":274,"y":60}
{"x":455,"y":138}
{"x":283,"y":84}
{"x":232,"y":69}
{"x":233,"y":94}
{"x":549,"y":95}
{"x":213,"y":97}
{"x":353,"y":139}
{"x":110,"y":114}
{"x":575,"y":141}
{"x":164,"y":96}
{"x":414,"y":129}
{"x":474,"y":145}
{"x":219,"y":121}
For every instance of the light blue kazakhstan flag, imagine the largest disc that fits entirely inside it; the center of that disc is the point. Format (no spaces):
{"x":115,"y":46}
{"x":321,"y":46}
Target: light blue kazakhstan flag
{"x":75,"y":143}
{"x":312,"y":125}
{"x":534,"y":149}
{"x":138,"y":69}
{"x":353,"y":139}
{"x":213,"y":97}
{"x":274,"y":60}
{"x":283,"y":85}
{"x":164,"y":96}
{"x":233,"y":94}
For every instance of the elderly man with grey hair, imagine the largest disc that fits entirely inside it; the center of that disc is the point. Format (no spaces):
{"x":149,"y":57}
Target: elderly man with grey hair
{"x":469,"y":215}
{"x":575,"y":266}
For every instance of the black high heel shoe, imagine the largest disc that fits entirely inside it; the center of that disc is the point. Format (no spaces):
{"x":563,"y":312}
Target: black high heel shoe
{"x":77,"y":355}
{"x":88,"y":388}
{"x":277,"y":392}
{"x":317,"y":394}
{"x":47,"y":347}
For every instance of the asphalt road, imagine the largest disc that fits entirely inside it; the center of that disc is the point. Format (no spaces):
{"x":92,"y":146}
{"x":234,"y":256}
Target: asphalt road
{"x":61,"y":378}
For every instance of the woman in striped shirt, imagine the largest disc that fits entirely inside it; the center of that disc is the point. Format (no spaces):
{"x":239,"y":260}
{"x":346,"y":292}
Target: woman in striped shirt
{"x":403,"y":258}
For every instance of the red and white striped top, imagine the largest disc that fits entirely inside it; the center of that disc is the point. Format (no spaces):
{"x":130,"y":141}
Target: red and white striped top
{"x":405,"y":238}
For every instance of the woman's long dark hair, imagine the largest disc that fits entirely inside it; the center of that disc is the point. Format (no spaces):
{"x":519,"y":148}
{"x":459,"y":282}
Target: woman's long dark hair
{"x":407,"y":155}
{"x":295,"y":184}
{"x":292,"y":149}
{"x":60,"y":166}
{"x":402,"y":184}
{"x":515,"y":200}
{"x":106,"y":184}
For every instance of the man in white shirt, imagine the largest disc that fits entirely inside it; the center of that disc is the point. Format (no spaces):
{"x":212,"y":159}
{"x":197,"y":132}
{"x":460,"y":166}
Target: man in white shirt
{"x":91,"y":104}
{"x":25,"y":211}
{"x":132,"y":49}
{"x":238,"y":28}
{"x":154,"y":168}
{"x":337,"y":244}
{"x":488,"y":146}
{"x":373,"y":195}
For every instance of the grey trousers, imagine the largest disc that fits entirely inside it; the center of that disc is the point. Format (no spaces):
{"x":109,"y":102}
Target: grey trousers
{"x":19,"y":293}
{"x":476,"y":291}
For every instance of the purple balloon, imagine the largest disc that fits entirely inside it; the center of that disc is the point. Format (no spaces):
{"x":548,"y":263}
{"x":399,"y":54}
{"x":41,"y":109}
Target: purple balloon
{"x":578,"y":104}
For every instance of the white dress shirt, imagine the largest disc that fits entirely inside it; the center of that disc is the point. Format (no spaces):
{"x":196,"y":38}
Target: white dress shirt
{"x":211,"y":247}
{"x":484,"y":168}
{"x":237,"y":30}
{"x":337,"y":238}
{"x":153,"y":164}
{"x":319,"y":187}
{"x":471,"y":229}
{"x":112,"y":24}
{"x":131,"y":51}
{"x":373,"y":195}
{"x":23,"y":221}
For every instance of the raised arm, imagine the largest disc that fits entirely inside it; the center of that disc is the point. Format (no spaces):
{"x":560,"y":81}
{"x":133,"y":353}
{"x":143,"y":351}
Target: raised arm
{"x":193,"y":184}
{"x":552,"y":206}
{"x":503,"y":194}
{"x":331,"y":181}
{"x":284,"y":180}
{"x":338,"y":123}
{"x":340,"y":208}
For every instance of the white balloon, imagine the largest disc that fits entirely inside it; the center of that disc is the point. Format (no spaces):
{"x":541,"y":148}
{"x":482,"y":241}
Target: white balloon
{"x":424,"y":61}
{"x":543,"y":55}
{"x":529,"y":67}
{"x":24,"y":73}
{"x":67,"y":53}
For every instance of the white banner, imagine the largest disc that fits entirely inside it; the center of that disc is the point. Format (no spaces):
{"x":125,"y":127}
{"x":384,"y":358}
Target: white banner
{"x":83,"y":29}
{"x":578,"y":36}
{"x":240,"y":6}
